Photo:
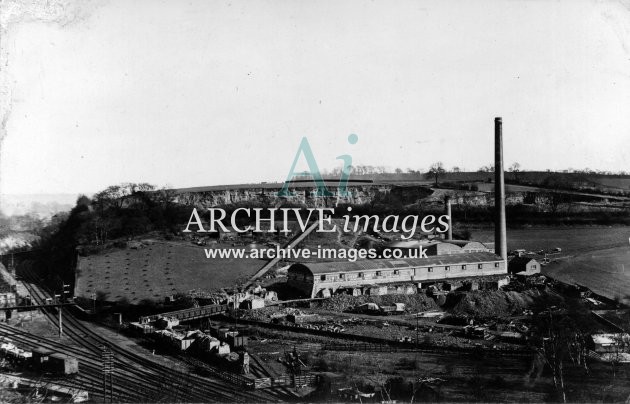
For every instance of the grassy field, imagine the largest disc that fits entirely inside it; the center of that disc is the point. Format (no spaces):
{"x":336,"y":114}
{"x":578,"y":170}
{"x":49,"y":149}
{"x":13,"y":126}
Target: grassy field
{"x":591,"y":256}
{"x":605,"y":272}
{"x":158,"y":270}
{"x":572,"y":240}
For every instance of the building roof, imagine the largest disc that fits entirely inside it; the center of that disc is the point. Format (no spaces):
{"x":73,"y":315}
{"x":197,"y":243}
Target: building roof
{"x":469,"y":244}
{"x":474,"y":245}
{"x":443,"y":248}
{"x":519,"y":264}
{"x":441,"y":245}
{"x":362,"y":265}
{"x":521,"y":260}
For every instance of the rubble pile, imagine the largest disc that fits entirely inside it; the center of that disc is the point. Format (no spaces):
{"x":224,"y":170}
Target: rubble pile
{"x":270,"y":313}
{"x":413,"y":303}
{"x":498,"y":303}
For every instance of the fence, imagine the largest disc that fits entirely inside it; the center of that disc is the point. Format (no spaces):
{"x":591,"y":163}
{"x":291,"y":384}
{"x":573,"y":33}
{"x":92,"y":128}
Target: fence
{"x":188,"y":314}
{"x":286,"y":381}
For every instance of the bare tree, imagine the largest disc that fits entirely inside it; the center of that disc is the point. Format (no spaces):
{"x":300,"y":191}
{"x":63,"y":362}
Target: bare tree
{"x":515,"y":168}
{"x":565,"y":342}
{"x":486,"y":169}
{"x":436,"y":171}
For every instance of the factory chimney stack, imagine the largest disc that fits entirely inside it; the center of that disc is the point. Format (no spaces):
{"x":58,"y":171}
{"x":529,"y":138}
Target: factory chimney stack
{"x":500,"y":237}
{"x":450,"y":218}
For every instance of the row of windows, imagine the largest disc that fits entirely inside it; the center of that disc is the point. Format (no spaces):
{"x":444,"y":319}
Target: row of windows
{"x":360,"y":275}
{"x":397,"y":272}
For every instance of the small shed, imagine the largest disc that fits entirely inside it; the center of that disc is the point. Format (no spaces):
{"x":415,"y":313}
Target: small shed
{"x":252,"y":303}
{"x":524,"y":266}
{"x":610,"y":342}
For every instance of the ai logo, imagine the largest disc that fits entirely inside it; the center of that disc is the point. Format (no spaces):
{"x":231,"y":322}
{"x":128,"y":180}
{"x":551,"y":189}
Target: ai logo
{"x":322,"y":191}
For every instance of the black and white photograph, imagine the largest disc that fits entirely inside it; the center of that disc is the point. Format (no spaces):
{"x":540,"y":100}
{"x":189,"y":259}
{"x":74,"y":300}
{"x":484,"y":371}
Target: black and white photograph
{"x":292,"y":201}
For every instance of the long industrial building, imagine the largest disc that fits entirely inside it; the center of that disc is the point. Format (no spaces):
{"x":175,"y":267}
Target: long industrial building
{"x":323,"y":279}
{"x":452,"y":260}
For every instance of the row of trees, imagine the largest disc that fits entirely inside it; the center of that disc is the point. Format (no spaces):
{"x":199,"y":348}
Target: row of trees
{"x":119,"y":211}
{"x":437,"y":170}
{"x":513,"y":168}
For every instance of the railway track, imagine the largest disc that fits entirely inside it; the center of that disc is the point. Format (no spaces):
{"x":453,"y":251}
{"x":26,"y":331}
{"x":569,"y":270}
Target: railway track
{"x":155,"y":381}
{"x":84,"y":338}
{"x":259,"y":369}
{"x":394,"y":344}
{"x":90,"y":377}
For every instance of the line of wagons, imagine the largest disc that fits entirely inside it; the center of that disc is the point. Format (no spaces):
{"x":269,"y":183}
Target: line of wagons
{"x":39,"y":360}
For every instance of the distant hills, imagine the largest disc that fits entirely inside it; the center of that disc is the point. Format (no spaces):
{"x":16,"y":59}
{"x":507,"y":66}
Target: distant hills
{"x":40,"y":205}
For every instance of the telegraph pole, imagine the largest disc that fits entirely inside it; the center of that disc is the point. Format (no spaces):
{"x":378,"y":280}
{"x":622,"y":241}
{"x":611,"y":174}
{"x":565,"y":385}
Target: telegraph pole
{"x":62,"y":297}
{"x":417,"y":331}
{"x":57,"y":299}
{"x":60,"y":323}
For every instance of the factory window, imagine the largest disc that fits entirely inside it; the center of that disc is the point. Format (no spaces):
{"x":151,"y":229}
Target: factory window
{"x":480,"y":266}
{"x":322,"y":278}
{"x":396,"y":272}
{"x":496,"y":264}
{"x":463,"y":267}
{"x":378,"y":273}
{"x":342,"y":276}
{"x":447,"y":268}
{"x":430,"y":269}
{"x":533,"y":266}
{"x":360,"y":275}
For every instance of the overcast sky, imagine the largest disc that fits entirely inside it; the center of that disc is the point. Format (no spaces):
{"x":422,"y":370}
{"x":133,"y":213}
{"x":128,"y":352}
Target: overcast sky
{"x":191,"y":93}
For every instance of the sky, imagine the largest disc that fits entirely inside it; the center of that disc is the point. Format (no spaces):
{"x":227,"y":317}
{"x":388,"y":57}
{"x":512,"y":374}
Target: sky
{"x":192,"y":93}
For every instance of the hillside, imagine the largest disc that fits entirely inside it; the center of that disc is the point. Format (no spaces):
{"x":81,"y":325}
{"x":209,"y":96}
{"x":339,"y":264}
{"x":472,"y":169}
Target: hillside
{"x":608,"y":184}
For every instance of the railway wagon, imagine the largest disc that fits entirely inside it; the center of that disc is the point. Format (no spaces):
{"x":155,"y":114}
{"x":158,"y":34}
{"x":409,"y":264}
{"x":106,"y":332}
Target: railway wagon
{"x":62,"y":364}
{"x":39,"y":360}
{"x":237,"y":341}
{"x":17,"y":356}
{"x":233,"y":362}
{"x":229,"y":335}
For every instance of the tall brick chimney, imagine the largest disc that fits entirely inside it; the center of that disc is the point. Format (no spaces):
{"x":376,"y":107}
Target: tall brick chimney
{"x":449,"y":235}
{"x":500,"y":237}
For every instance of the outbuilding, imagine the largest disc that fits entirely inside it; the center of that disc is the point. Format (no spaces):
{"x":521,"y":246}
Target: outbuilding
{"x":524,"y":266}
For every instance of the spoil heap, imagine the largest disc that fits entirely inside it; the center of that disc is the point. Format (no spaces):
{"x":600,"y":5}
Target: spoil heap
{"x":498,"y":303}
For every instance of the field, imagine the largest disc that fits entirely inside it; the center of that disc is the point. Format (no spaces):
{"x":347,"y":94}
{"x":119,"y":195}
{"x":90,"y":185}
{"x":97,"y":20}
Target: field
{"x":596,"y":257}
{"x":158,"y":270}
{"x":572,"y":240}
{"x":605,"y":272}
